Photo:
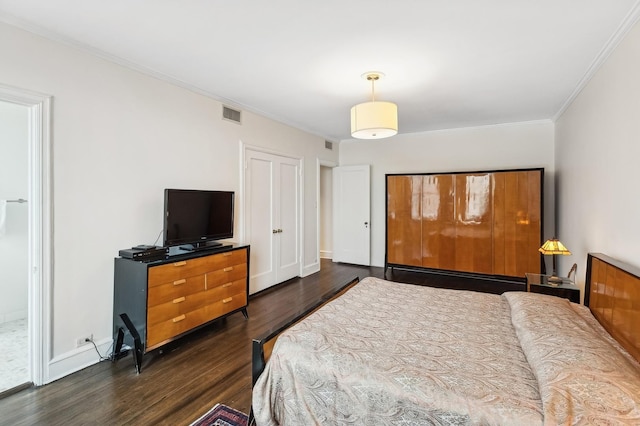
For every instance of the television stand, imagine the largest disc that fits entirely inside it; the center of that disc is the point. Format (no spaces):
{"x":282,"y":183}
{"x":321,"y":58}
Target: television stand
{"x":157,"y":302}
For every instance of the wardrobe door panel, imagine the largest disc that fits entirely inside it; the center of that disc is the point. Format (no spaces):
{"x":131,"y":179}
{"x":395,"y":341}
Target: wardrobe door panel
{"x":504,"y":225}
{"x":438,"y":222}
{"x":500,"y":251}
{"x":404,"y":226}
{"x":517,"y":222}
{"x":532,"y":226}
{"x":521,"y":222}
{"x":474,"y":214}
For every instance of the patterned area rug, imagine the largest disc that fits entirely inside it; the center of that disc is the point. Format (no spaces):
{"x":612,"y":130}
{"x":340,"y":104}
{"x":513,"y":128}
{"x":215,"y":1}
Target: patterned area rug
{"x":221,"y":415}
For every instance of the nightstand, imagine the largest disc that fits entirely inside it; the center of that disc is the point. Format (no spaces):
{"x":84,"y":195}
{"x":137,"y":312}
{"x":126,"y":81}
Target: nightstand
{"x":539,"y":283}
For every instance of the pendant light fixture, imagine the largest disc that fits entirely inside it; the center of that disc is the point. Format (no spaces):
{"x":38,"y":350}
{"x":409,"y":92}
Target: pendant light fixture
{"x":374,"y":119}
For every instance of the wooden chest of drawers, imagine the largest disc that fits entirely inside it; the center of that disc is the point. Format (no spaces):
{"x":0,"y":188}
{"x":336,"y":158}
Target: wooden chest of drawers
{"x":166,"y":299}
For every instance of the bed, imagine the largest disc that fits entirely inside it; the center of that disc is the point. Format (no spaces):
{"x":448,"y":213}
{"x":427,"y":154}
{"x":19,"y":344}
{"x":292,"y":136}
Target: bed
{"x":386,"y":353}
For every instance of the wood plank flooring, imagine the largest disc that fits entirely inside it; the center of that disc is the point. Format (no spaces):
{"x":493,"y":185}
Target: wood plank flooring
{"x":184,"y":381}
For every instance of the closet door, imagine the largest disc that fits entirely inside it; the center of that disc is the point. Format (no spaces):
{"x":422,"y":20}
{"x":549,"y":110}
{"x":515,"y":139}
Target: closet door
{"x":438,"y":222}
{"x":287,"y":219}
{"x":404,"y":220}
{"x":517,"y":223}
{"x":272,"y":222}
{"x":473,"y":223}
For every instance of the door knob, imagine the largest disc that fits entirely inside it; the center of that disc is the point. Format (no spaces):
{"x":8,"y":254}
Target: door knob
{"x":275,"y":231}
{"x":279,"y":231}
{"x":366,"y":224}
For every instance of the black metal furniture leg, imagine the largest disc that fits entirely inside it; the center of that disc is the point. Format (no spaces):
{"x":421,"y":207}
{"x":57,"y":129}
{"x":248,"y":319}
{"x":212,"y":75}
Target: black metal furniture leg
{"x":137,"y":353}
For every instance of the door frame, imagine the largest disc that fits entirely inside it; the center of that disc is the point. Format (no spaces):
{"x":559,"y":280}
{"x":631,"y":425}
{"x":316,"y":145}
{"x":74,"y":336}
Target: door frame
{"x":243,"y":214}
{"x":40,"y":227}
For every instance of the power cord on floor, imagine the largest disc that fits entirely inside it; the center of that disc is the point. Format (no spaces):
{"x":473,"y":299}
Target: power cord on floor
{"x":102,"y":358}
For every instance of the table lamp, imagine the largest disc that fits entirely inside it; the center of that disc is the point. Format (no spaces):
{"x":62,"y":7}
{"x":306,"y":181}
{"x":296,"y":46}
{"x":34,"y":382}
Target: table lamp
{"x":552,"y":247}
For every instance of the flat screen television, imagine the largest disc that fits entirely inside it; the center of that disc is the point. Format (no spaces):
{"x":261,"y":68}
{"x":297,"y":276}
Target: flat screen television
{"x":197,"y":218}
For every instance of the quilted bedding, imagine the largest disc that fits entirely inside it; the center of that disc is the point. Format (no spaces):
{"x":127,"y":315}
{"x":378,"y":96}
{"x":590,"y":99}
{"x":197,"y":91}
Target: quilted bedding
{"x":386,"y":353}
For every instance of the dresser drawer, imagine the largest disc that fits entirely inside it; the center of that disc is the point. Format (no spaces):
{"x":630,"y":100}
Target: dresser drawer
{"x":230,"y":258}
{"x":168,"y":291}
{"x":228,"y":304}
{"x":160,"y":332}
{"x":226,"y":275}
{"x":176,"y":307}
{"x":170,"y":272}
{"x":225,"y":290}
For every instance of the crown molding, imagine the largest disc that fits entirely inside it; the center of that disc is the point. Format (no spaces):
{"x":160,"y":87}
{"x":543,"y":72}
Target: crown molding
{"x":625,"y":26}
{"x":54,"y":36}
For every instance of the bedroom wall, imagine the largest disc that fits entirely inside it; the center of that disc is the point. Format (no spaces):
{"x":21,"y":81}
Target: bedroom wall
{"x":508,"y":146}
{"x":597,"y":152}
{"x":119,"y":138}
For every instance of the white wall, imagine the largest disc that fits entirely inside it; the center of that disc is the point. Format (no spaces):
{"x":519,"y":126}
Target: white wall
{"x":509,"y":146}
{"x":14,"y":177}
{"x":597,"y":152}
{"x":119,"y":138}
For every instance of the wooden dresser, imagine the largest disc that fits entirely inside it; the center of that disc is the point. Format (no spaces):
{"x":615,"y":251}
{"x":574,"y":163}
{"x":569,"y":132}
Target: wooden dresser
{"x":157,"y":302}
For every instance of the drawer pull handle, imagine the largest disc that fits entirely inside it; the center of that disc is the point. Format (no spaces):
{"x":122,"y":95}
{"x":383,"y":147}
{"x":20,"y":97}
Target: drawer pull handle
{"x":182,"y":263}
{"x":179,"y":299}
{"x":227,"y":300}
{"x":227,"y":285}
{"x":178,"y":282}
{"x":180,"y":318}
{"x":228,"y":269}
{"x":229,"y":253}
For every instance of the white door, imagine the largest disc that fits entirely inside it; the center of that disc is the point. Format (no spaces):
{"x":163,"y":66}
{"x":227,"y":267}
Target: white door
{"x":272,"y":188}
{"x":351,"y":220}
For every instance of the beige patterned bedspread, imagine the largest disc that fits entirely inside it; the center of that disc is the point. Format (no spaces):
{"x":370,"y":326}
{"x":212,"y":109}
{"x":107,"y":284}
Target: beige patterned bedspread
{"x":397,"y":354}
{"x":584,"y":376}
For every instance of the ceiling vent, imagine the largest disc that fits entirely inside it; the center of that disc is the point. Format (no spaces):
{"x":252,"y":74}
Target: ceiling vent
{"x":231,"y":114}
{"x":328,"y":145}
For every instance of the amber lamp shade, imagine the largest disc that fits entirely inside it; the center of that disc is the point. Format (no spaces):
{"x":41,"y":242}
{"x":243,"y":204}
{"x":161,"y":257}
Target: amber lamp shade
{"x":552,"y":247}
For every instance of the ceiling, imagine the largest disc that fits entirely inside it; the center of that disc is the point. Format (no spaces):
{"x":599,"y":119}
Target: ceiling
{"x":447,"y":63}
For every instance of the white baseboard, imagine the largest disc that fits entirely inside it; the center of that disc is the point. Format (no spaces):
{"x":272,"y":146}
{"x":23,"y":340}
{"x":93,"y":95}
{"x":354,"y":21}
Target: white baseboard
{"x":310,"y":269}
{"x":326,"y":254}
{"x":77,"y":359}
{"x":13,"y":316}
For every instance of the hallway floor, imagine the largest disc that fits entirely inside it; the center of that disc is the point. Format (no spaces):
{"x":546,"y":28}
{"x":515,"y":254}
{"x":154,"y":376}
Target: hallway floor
{"x":13,"y":354}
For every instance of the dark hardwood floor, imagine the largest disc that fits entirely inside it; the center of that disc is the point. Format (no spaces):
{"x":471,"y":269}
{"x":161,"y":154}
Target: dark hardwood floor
{"x":182,"y":382}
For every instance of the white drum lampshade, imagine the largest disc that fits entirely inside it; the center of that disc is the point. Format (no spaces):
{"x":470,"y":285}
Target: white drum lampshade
{"x":374,"y":120}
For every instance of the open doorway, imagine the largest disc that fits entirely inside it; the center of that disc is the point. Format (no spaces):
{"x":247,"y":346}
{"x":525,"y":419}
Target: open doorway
{"x":32,"y":243}
{"x":14,"y":250}
{"x":326,"y":212}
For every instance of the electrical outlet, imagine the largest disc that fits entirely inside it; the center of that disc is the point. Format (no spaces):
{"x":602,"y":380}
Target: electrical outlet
{"x":84,"y":340}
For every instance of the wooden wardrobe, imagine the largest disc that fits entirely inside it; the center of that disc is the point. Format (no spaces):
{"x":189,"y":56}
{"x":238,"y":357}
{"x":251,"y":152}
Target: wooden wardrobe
{"x":487,"y":222}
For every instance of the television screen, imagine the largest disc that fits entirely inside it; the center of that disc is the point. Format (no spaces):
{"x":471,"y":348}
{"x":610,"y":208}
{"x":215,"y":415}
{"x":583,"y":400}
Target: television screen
{"x":193,"y":216}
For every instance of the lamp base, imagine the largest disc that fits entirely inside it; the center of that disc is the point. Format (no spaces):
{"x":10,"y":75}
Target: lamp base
{"x":554,"y":281}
